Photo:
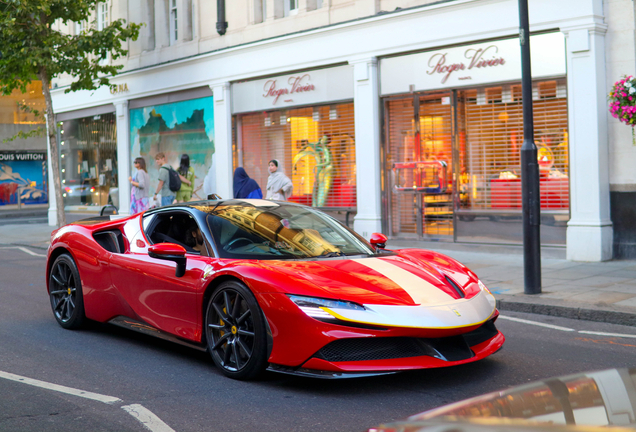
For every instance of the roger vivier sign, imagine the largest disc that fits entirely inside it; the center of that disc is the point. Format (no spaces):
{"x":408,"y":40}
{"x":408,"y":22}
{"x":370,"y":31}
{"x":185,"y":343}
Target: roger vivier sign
{"x":294,"y":89}
{"x":470,"y":65}
{"x":295,"y":84}
{"x":486,"y":57}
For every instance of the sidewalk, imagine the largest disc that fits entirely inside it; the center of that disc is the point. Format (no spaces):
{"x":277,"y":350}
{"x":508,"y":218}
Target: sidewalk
{"x":604,"y":292}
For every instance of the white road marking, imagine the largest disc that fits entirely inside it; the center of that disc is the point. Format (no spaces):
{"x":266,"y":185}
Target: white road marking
{"x":540,"y":324}
{"x":554,"y":327}
{"x":147,"y":418}
{"x":139,"y":412}
{"x":25,"y":250}
{"x":58,"y":388}
{"x":607,"y":334}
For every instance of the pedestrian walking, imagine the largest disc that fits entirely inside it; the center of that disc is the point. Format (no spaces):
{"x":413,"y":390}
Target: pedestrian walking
{"x":244,"y":186}
{"x":186,"y":174}
{"x":167,"y":196}
{"x":140,"y":182}
{"x":279,"y":186}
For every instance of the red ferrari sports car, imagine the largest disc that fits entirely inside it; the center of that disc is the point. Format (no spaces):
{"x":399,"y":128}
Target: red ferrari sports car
{"x":271,"y":285}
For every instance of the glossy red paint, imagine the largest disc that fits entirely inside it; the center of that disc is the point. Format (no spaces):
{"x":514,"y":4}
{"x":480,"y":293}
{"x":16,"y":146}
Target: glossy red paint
{"x":167,"y":249}
{"x":134,"y":285}
{"x":378,"y":240}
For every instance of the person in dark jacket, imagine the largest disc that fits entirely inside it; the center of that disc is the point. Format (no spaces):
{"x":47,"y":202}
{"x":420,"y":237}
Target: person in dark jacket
{"x":244,"y":186}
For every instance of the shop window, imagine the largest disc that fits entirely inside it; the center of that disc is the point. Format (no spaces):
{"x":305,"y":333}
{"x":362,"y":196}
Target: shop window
{"x":315,"y":147}
{"x":176,"y":128}
{"x":19,"y":108}
{"x":88,"y":161}
{"x":491,"y":166}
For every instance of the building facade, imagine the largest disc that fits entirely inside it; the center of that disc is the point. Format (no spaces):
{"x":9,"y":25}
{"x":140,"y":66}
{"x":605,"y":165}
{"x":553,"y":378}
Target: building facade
{"x":404,"y":116}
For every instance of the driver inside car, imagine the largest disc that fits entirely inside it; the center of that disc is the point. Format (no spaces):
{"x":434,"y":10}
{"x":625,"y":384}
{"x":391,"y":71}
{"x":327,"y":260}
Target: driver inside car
{"x":195,"y":240}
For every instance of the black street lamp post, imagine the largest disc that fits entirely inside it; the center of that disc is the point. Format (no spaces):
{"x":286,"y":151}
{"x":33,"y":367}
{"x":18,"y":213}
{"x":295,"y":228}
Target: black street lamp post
{"x":531,"y":204}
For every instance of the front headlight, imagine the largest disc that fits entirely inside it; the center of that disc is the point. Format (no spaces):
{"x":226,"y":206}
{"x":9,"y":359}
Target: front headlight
{"x":483,"y":287}
{"x":312,"y":306}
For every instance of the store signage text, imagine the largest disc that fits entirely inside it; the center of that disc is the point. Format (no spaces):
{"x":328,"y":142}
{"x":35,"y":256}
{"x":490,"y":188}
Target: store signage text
{"x":22,"y":156}
{"x":476,"y":58}
{"x":296,"y":84}
{"x":118,"y":88}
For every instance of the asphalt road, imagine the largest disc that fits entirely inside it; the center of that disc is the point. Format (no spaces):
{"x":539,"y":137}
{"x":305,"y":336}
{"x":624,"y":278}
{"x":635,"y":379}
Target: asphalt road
{"x":178,"y":389}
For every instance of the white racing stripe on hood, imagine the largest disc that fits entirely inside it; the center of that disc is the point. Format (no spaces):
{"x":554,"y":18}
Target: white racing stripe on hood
{"x":420,"y":290}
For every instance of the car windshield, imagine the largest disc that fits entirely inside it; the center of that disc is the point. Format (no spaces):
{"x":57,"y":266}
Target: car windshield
{"x":269,"y":230}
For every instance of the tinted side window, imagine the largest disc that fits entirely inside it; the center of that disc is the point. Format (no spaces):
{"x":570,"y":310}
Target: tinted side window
{"x":178,"y":228}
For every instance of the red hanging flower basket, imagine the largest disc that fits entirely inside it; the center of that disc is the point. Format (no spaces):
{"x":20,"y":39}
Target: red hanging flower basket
{"x":622,"y":102}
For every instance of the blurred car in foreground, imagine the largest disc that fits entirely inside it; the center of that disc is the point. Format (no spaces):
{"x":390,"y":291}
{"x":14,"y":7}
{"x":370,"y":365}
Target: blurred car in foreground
{"x":595,"y":401}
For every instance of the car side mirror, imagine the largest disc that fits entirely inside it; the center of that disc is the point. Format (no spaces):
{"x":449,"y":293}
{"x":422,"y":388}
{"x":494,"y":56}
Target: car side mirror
{"x":170,"y":252}
{"x":378,"y":241}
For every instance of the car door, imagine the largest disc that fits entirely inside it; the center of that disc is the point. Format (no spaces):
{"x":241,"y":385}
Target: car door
{"x":150,"y":287}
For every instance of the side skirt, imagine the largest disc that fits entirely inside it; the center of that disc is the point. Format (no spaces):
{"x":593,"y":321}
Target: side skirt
{"x":146,"y":329}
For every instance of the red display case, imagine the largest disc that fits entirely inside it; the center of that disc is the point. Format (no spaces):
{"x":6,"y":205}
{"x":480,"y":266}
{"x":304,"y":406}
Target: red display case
{"x":506,"y":193}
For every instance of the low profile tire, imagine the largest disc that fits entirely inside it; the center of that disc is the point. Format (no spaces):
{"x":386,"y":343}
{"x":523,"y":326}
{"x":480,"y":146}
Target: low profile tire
{"x":236,"y":332}
{"x":65,"y":291}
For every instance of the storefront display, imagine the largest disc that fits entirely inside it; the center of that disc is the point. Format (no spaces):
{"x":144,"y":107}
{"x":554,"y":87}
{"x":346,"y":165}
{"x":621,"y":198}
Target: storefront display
{"x":453,"y":156}
{"x":314,"y":143}
{"x":176,"y":128}
{"x":88,"y":160}
{"x":23,"y":177}
{"x":315,"y":147}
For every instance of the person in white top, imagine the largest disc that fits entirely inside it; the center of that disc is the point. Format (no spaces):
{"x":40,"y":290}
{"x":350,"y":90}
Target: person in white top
{"x":279,"y":186}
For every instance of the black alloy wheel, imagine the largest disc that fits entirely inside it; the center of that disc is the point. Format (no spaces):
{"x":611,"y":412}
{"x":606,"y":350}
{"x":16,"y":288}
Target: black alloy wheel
{"x":65,"y":291}
{"x":235,"y":331}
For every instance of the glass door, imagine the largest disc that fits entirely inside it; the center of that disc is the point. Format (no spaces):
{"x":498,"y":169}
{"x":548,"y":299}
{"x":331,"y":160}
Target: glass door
{"x":419,"y":166}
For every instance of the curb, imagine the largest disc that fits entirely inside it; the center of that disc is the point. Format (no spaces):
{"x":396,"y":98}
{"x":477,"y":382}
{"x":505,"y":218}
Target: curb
{"x":579,"y":313}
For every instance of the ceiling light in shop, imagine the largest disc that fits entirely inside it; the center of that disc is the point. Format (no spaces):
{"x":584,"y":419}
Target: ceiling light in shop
{"x":333,"y":114}
{"x":268,"y":121}
{"x":316,"y":115}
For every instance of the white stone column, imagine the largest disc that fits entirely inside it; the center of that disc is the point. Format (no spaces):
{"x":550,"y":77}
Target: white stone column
{"x":589,"y":232}
{"x":367,"y":127}
{"x":222,"y":159}
{"x":124,"y":167}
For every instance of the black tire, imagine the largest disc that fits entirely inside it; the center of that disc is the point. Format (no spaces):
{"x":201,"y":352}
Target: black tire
{"x":235,"y":331}
{"x":65,"y":292}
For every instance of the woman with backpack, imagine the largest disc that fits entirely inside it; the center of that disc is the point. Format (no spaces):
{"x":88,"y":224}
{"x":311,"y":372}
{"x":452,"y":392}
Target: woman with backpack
{"x":186,"y":174}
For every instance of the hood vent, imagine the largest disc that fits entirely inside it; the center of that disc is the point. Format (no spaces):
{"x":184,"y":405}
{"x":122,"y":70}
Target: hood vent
{"x":456,"y":287}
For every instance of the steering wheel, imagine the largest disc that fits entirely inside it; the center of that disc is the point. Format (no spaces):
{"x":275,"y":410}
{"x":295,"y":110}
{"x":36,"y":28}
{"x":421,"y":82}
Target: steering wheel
{"x":230,"y":245}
